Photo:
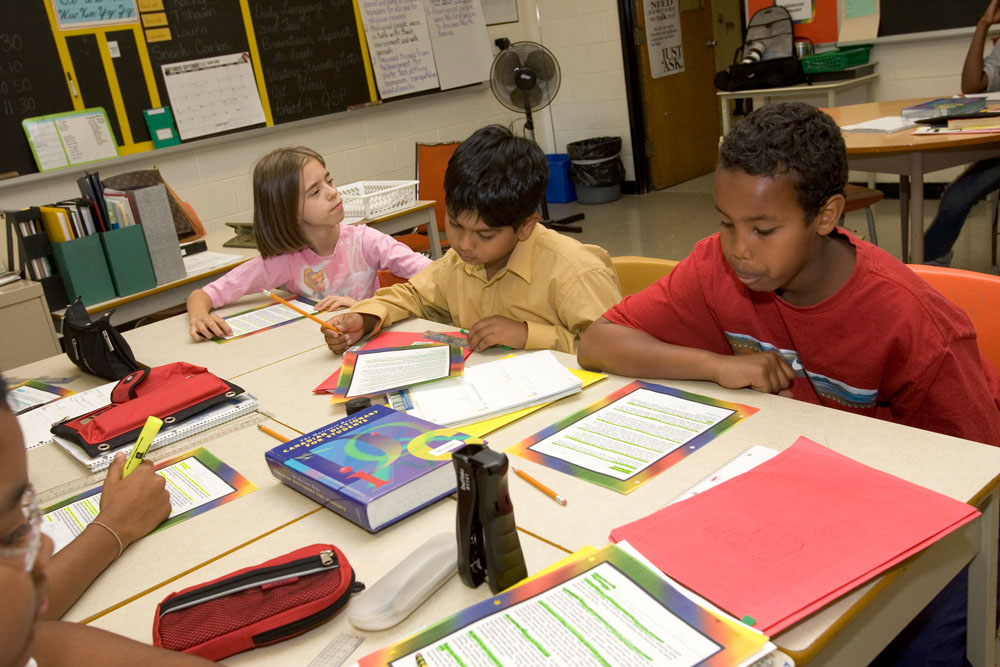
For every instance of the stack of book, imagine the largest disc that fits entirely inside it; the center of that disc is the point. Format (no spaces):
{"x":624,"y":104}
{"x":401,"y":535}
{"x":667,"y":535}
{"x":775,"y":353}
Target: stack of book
{"x":945,"y":106}
{"x":105,"y":243}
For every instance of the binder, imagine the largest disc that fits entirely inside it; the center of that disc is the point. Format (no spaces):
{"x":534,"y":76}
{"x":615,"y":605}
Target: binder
{"x":128,"y":260}
{"x":220,"y":414}
{"x":84,"y":269}
{"x":57,"y":224}
{"x":152,"y":205}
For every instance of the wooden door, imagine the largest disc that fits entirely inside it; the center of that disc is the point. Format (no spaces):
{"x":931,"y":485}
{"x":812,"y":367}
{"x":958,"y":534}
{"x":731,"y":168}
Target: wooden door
{"x":682,"y":113}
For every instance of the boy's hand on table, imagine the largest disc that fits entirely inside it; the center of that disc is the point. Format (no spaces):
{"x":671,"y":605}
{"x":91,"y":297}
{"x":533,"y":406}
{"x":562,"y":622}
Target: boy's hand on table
{"x":208,"y":326}
{"x":133,"y":506}
{"x":333,"y":302}
{"x":762,"y":371}
{"x":352,"y":327}
{"x":497,"y":330}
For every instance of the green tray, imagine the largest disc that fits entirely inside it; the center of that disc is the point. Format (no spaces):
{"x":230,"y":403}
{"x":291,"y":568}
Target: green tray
{"x":832,"y":61}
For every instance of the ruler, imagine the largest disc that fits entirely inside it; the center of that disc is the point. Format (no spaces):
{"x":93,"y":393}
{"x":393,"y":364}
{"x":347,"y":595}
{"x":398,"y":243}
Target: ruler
{"x":337,"y":651}
{"x":56,"y":493}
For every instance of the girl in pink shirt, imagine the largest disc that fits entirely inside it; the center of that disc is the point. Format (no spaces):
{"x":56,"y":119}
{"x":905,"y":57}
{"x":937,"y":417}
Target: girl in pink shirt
{"x":304,"y":245}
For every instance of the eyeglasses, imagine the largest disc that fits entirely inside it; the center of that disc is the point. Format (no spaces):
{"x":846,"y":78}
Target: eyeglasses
{"x":29,"y":535}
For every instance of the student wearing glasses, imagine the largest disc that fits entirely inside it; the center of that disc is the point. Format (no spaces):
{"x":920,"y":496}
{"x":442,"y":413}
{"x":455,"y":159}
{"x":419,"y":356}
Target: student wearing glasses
{"x":37,"y":585}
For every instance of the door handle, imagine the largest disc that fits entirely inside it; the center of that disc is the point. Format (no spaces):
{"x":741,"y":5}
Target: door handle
{"x":712,"y":42}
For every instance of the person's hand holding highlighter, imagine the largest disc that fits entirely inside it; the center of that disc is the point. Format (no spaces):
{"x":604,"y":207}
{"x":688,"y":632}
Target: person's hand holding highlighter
{"x":149,"y":431}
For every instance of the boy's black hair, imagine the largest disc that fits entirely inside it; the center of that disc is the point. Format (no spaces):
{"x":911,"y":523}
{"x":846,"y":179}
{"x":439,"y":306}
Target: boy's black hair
{"x":496,"y":175}
{"x":790,"y":139}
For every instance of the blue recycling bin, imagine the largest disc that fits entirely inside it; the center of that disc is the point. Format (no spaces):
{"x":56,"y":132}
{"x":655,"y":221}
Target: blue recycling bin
{"x":560,"y":189}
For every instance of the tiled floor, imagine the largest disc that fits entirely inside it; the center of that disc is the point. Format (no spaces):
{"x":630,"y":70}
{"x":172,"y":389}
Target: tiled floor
{"x":667,"y":223}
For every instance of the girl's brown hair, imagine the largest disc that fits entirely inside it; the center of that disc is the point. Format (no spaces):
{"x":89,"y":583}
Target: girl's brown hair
{"x":277,"y":184}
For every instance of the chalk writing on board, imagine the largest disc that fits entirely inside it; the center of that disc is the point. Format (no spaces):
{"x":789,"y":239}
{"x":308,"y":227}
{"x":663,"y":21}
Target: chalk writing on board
{"x":400,"y":46}
{"x":84,"y":13}
{"x":15,"y":85}
{"x":311,"y":56}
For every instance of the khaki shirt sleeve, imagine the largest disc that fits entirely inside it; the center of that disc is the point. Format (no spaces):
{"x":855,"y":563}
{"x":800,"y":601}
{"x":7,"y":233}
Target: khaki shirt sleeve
{"x":578,"y":306}
{"x":420,"y":297}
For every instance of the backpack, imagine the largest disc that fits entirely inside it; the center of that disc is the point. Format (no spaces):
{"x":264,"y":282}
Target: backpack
{"x":767,"y":57}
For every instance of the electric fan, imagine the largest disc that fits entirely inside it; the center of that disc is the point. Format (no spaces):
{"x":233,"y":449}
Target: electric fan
{"x":525,"y":77}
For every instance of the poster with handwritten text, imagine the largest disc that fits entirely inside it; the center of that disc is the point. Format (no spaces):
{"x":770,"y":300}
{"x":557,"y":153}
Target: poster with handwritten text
{"x":461,"y":44}
{"x":399,"y":45}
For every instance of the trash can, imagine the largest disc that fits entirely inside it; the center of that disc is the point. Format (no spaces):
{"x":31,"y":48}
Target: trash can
{"x":560,"y":189}
{"x":596,"y":168}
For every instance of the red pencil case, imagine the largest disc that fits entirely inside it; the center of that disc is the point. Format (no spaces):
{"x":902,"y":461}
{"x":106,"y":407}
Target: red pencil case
{"x":258,"y":605}
{"x":173,"y":392}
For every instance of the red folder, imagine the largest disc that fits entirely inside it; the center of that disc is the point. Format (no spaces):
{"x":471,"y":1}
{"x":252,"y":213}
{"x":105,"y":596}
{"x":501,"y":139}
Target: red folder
{"x":798,"y":531}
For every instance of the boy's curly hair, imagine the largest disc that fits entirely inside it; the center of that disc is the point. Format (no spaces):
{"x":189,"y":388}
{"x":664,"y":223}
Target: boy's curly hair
{"x":795,"y":140}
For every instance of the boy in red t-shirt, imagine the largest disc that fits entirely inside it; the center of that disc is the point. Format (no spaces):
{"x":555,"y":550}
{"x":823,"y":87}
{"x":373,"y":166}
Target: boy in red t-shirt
{"x":783,"y":300}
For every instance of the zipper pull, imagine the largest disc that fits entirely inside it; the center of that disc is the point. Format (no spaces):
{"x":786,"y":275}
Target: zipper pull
{"x":327,"y":558}
{"x":107,"y":340}
{"x":76,"y":349}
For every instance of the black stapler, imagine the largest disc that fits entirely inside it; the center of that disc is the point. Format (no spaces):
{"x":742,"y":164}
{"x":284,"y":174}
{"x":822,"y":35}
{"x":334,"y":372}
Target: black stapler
{"x":488,"y":547}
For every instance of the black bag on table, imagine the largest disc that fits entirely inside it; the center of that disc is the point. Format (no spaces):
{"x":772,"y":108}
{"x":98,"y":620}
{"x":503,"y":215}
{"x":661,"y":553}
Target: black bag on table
{"x":767,"y":57}
{"x":96,"y":347}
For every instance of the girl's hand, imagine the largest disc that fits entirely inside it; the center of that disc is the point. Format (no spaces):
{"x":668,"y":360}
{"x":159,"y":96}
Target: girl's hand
{"x":334,"y":302}
{"x":136,"y":505}
{"x":352,"y":327}
{"x":209,"y":326}
{"x":763,"y":371}
{"x":497,"y":330}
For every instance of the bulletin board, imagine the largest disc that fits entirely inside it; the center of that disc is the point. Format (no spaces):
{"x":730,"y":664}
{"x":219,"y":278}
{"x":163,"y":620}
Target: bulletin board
{"x":299,"y":58}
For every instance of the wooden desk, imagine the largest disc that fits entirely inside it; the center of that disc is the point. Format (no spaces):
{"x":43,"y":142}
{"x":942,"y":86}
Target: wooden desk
{"x":910,"y":156}
{"x":855,"y":628}
{"x":370,"y":555}
{"x":830,"y":88}
{"x":420,"y":213}
{"x":849,"y":631}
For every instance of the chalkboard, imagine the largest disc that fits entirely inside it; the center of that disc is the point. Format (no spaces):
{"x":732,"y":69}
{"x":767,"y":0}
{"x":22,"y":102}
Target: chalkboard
{"x":310,"y":55}
{"x":306,"y":58}
{"x":32,"y":82}
{"x":899,"y":17}
{"x":198,"y":29}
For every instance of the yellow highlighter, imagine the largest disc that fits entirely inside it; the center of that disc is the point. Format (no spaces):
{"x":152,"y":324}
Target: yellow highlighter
{"x":146,"y":436}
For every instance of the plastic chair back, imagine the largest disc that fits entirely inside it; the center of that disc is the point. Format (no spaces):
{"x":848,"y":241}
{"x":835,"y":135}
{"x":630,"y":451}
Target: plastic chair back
{"x":386,"y":278}
{"x":432,"y":161}
{"x":637,"y":273}
{"x":978,"y":294}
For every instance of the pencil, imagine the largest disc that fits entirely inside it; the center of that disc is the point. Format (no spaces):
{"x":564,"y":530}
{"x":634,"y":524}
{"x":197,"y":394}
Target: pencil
{"x":299,"y":310}
{"x":538,"y":485}
{"x":272,"y":433}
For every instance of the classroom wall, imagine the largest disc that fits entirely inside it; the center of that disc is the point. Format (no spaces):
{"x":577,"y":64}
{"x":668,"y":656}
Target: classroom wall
{"x":378,"y":143}
{"x":585,"y":36}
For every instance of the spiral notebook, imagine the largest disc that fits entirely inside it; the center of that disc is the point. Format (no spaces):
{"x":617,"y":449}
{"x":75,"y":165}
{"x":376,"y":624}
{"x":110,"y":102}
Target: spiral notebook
{"x":219,"y":414}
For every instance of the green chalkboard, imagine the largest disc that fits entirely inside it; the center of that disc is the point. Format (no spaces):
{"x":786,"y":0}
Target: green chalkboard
{"x":900,"y":17}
